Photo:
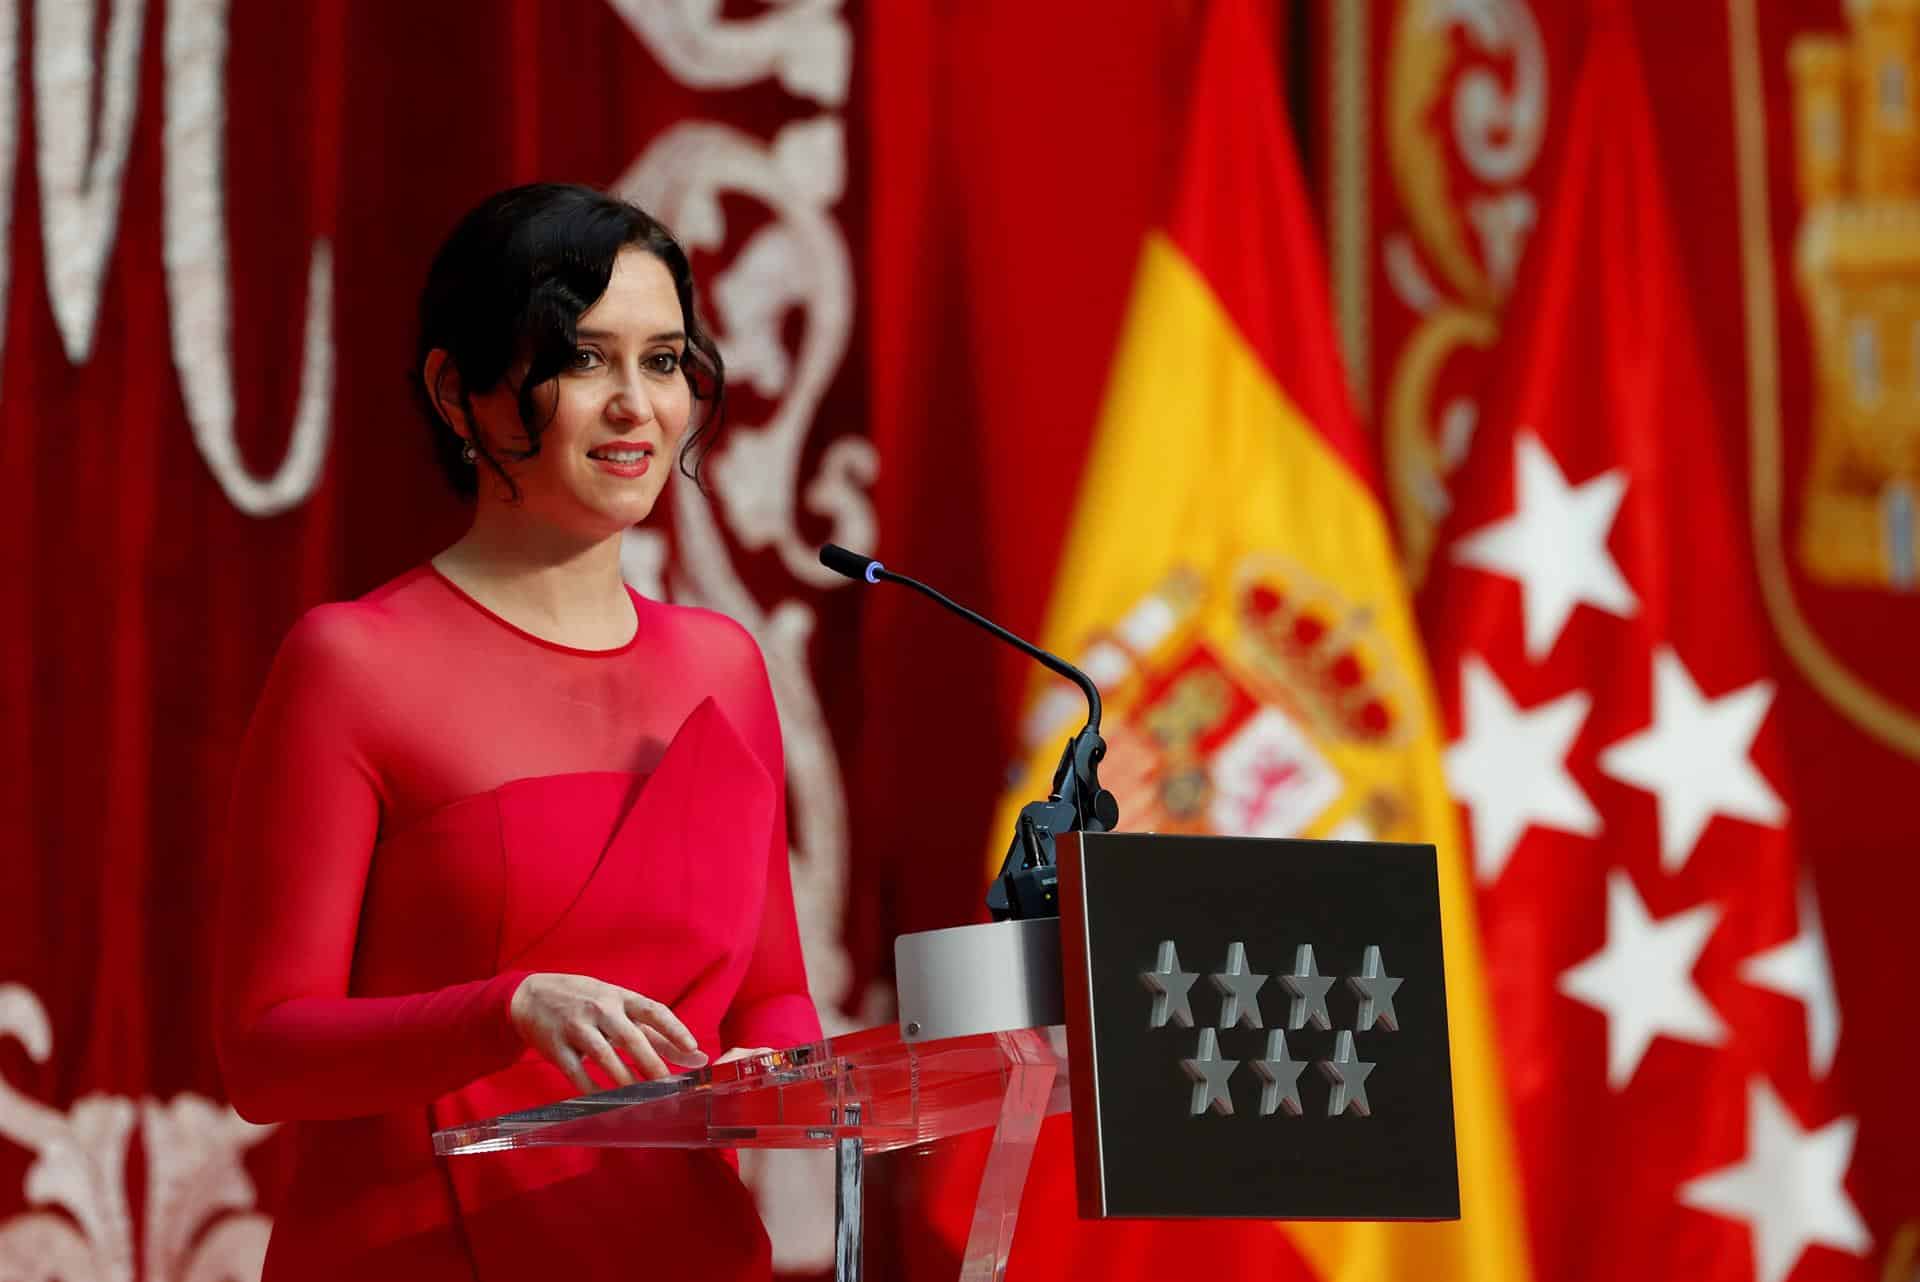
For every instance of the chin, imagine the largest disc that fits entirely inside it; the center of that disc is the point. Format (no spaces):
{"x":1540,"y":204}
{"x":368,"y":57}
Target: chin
{"x":627,"y":515}
{"x":617,"y":510}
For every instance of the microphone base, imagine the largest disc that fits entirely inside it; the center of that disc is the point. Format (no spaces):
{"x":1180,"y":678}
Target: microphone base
{"x":1026,"y":894}
{"x":1026,"y":886}
{"x":986,"y":978}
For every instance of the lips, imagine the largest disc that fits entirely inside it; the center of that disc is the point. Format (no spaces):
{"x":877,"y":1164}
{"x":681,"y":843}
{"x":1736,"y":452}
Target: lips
{"x":626,"y":459}
{"x":624,"y":450}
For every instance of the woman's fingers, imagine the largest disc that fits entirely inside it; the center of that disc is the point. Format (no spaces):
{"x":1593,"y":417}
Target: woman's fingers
{"x":652,"y":1014}
{"x":670,"y":1050}
{"x":633,"y":1042}
{"x":568,"y":1061}
{"x":594,"y":1044}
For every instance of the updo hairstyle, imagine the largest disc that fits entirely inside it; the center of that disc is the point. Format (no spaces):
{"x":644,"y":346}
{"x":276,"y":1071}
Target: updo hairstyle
{"x":510,"y":285}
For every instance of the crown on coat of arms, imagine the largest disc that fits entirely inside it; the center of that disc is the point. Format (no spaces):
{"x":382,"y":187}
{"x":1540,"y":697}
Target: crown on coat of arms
{"x":1321,"y":653}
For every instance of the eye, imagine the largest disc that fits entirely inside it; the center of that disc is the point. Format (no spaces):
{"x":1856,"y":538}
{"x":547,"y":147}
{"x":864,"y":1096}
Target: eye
{"x":584,"y":358}
{"x":664,"y":362}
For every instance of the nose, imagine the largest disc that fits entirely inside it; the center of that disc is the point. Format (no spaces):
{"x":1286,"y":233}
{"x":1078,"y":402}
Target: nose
{"x":631,"y":402}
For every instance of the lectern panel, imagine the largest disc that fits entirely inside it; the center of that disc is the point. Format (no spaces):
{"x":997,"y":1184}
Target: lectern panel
{"x":1258,"y":1027}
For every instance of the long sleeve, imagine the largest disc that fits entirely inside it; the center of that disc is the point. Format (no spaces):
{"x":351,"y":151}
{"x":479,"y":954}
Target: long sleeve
{"x":304,"y":820}
{"x":773,"y":1007}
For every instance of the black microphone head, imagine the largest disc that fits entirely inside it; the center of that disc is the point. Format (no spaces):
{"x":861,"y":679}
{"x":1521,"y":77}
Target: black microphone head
{"x":851,"y":564}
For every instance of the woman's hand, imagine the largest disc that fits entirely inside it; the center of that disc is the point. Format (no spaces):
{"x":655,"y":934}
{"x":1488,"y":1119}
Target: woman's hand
{"x":575,"y":1021}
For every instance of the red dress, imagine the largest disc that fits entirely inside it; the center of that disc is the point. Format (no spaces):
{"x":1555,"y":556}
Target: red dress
{"x":432,"y":804}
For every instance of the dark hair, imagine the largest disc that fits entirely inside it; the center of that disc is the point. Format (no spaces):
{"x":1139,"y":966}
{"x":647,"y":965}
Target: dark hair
{"x":512,"y":281}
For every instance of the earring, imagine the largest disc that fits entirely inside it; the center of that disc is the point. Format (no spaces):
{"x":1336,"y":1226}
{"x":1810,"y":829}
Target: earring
{"x":470,"y":454}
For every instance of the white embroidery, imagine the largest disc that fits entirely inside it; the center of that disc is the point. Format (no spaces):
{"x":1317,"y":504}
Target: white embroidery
{"x":80,"y":186}
{"x":803,"y":43}
{"x":1499,"y":130}
{"x":199,"y":1224}
{"x":199,"y":295}
{"x":82,"y":158}
{"x":9,"y":147}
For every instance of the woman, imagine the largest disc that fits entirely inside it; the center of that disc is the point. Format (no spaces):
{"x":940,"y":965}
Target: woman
{"x":505,"y":831}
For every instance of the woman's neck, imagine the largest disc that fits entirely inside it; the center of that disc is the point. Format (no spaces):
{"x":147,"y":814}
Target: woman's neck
{"x":546,"y":581}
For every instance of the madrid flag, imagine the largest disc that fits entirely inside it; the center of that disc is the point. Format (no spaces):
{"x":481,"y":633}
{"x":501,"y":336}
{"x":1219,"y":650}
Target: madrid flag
{"x":1230,"y":582}
{"x":1666,"y":1020}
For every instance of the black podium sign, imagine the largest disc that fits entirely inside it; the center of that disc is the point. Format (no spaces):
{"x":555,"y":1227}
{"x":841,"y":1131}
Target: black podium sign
{"x":1258,"y":1028}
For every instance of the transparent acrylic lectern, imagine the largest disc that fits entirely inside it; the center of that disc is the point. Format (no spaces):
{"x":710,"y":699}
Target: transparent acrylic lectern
{"x":857,"y":1094}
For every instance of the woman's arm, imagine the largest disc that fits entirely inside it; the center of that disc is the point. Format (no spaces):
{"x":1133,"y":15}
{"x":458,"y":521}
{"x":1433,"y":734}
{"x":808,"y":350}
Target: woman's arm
{"x":773,"y":1007}
{"x":305,"y":815}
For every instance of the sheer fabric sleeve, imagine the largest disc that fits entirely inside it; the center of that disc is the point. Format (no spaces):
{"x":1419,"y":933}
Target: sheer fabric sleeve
{"x":773,"y":1007}
{"x":305,"y":815}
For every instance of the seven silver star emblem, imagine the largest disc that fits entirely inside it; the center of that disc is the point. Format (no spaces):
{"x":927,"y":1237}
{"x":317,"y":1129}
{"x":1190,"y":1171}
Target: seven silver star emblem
{"x":1170,"y":987}
{"x":1239,"y":990}
{"x":1210,"y":1075}
{"x":1280,"y":1074}
{"x":1375,"y":988}
{"x":1309,"y":988}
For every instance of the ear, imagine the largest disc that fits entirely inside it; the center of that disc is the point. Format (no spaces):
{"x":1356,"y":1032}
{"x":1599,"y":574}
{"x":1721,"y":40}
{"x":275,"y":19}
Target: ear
{"x":442,"y":379}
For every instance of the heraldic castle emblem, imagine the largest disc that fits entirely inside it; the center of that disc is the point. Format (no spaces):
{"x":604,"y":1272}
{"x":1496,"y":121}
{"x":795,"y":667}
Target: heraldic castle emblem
{"x":1857,"y":262}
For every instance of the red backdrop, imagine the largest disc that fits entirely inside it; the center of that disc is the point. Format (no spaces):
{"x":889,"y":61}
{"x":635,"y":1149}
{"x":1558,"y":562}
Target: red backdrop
{"x":917,"y":224}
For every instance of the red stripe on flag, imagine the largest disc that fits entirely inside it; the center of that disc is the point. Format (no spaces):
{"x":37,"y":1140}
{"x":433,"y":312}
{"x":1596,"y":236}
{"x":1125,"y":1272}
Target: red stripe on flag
{"x":1240,"y":216}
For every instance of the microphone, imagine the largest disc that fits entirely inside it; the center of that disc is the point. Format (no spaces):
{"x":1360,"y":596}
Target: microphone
{"x":867,"y":570}
{"x":1025,"y":887}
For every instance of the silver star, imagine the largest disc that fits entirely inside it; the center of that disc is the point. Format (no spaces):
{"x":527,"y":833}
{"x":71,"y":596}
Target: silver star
{"x":1237,"y":987}
{"x":1375,"y":989}
{"x":1210,"y":1075}
{"x":1349,"y":1078}
{"x":1281,"y":1073}
{"x":1309,"y":988}
{"x":1169,"y":986}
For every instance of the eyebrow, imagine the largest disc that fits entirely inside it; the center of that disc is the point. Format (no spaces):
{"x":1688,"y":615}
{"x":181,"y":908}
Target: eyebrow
{"x":668,"y":336}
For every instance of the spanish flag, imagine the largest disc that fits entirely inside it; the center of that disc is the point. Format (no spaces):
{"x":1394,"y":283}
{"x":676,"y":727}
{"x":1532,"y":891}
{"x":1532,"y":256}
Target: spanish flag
{"x":1230,"y":582}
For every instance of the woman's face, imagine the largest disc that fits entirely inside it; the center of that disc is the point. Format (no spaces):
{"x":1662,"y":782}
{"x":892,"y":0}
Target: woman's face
{"x":614,"y":417}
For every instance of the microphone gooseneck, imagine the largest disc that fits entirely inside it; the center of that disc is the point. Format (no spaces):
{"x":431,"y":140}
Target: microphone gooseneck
{"x":1025,"y":887}
{"x":868,"y":570}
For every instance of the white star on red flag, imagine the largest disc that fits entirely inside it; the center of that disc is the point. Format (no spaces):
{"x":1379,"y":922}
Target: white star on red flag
{"x":1509,"y":766}
{"x":1643,"y":979}
{"x":1554,"y":545}
{"x":1693,"y":758}
{"x":1799,"y":969}
{"x":1790,"y":1189}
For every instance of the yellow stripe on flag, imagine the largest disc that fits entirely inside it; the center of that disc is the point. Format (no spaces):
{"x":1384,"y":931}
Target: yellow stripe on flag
{"x":1229,"y":581}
